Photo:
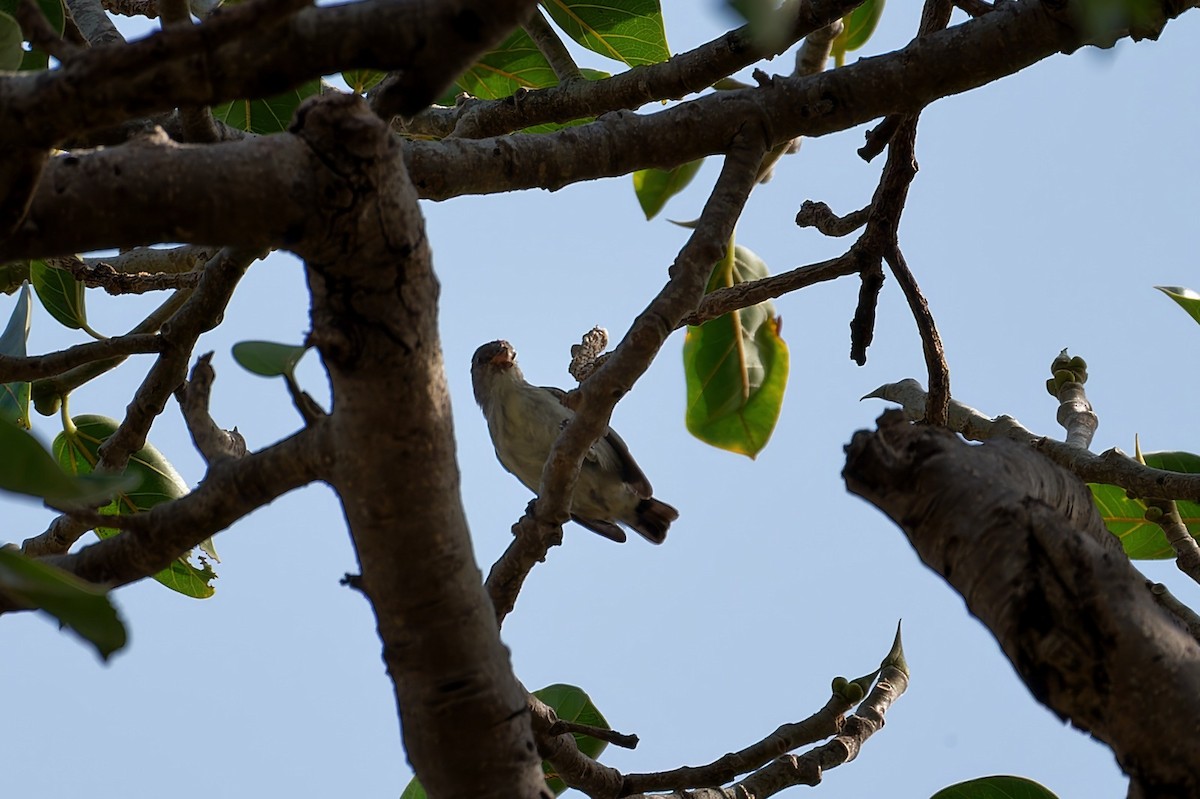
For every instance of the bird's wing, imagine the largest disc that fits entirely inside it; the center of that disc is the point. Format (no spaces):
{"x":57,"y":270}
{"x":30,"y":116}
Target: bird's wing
{"x":631,"y":473}
{"x":606,"y":529}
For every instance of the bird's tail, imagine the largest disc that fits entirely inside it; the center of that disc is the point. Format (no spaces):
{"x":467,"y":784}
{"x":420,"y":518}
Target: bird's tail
{"x":653,"y":517}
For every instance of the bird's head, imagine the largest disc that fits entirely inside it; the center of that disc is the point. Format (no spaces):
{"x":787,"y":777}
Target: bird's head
{"x":492,"y":361}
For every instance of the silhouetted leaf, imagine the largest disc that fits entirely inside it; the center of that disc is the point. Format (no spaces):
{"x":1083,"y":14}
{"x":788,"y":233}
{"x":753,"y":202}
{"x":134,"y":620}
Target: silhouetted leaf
{"x":81,"y":606}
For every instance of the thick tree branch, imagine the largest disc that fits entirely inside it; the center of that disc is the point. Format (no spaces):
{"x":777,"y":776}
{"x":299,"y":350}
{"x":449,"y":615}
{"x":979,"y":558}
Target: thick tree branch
{"x":374,"y":318}
{"x":230,"y":490}
{"x":263,"y":48}
{"x":1021,"y":540}
{"x":684,"y":74}
{"x":950,"y":61}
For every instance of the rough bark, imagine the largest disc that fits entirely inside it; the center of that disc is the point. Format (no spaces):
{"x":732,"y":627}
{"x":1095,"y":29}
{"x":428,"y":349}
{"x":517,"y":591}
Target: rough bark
{"x":1020,"y":539}
{"x":392,"y":463}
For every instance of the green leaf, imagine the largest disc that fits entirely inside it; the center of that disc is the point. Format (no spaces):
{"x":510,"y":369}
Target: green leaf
{"x":1188,"y":300}
{"x":1126,"y":518}
{"x":629,"y":31}
{"x":360,"y":80}
{"x":11,"y":52}
{"x":83,"y":607}
{"x":27,"y":468}
{"x":52,"y":9}
{"x":61,"y":294}
{"x":14,"y":397}
{"x":414,"y":790}
{"x":267,"y":358}
{"x":858,"y":26}
{"x":157,"y":482}
{"x":269,"y":115}
{"x":33,"y":58}
{"x":571,"y":703}
{"x":736,"y":366}
{"x":1000,"y":787}
{"x":655,"y":186}
{"x":515,"y":63}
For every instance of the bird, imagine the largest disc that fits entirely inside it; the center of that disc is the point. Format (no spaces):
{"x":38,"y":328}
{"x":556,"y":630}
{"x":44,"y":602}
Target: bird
{"x":525,"y":420}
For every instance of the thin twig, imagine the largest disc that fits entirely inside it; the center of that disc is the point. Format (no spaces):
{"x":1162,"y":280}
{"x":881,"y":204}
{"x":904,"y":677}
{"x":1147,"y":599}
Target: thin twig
{"x":820,"y":216}
{"x":1165,"y":513}
{"x":937,"y":409}
{"x":101,"y":274}
{"x":552,"y":47}
{"x":214,"y":443}
{"x":1112,"y":466}
{"x":1187,"y":617}
{"x":35,"y":367}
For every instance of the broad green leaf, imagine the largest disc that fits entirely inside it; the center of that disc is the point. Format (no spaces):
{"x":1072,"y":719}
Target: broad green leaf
{"x":736,"y":366}
{"x":51,"y":9}
{"x":27,"y":468}
{"x":1000,"y":787}
{"x":414,"y":790}
{"x":267,"y":358}
{"x":859,"y":25}
{"x":360,"y":80}
{"x":61,"y":294}
{"x":572,"y":703}
{"x":1126,"y":518}
{"x":11,"y":52}
{"x":629,"y":31}
{"x":1188,"y":300}
{"x":655,"y":186}
{"x":33,"y":58}
{"x":268,"y":115}
{"x":515,"y":63}
{"x":77,"y":604}
{"x":157,"y":482}
{"x":14,"y":397}
{"x":768,"y":22}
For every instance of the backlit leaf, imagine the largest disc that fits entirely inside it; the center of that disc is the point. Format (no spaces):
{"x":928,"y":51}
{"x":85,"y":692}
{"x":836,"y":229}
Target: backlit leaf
{"x":858,"y":26}
{"x":14,"y":397}
{"x":571,"y":703}
{"x":655,"y":186}
{"x":736,"y":366}
{"x":61,"y":294}
{"x":157,"y":482}
{"x":266,"y":115}
{"x":630,"y":31}
{"x":1187,"y":299}
{"x":1126,"y":518}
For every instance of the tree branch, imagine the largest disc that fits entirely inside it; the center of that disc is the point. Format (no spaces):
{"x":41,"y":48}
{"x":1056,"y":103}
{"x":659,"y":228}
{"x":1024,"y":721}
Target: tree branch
{"x":1022,"y":542}
{"x":374,"y":313}
{"x":1112,"y":466}
{"x":34,"y":367}
{"x":950,"y":61}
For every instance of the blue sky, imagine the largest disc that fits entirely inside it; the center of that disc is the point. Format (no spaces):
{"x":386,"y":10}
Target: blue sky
{"x":1047,"y":206}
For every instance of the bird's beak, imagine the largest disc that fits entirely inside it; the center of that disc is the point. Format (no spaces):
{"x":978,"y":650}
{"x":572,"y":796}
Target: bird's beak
{"x":503,"y":359}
